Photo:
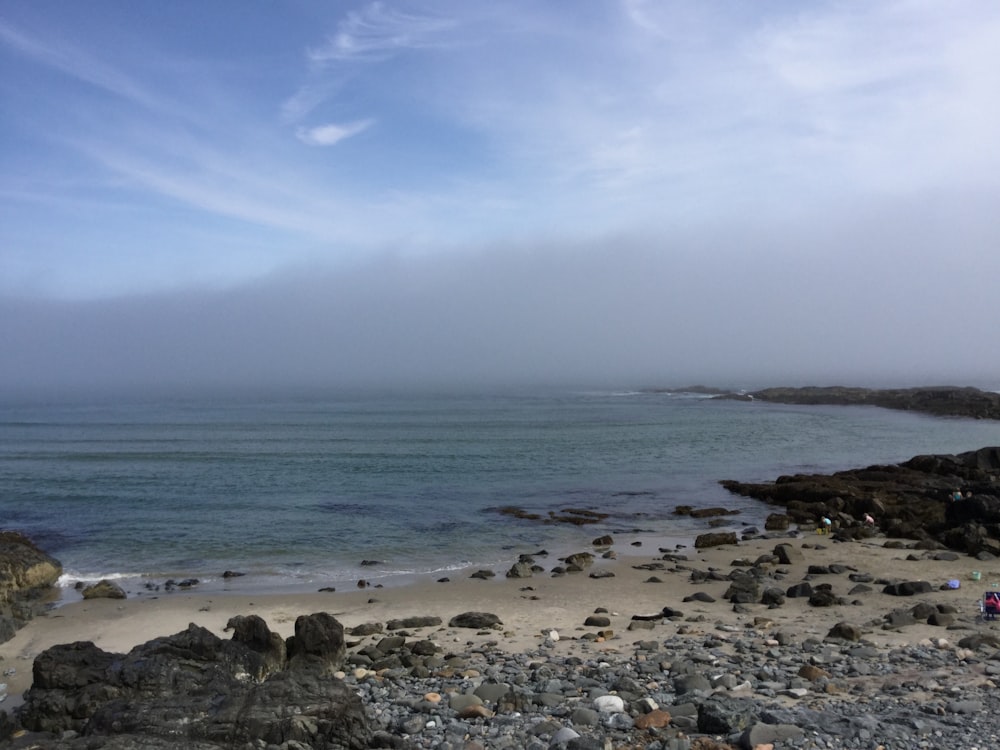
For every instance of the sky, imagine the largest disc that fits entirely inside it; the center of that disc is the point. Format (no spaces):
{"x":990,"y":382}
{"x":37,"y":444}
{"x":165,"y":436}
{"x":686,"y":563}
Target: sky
{"x":627,"y":193}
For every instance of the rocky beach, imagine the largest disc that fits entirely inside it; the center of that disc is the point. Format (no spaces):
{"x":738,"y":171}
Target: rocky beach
{"x":749,"y":637}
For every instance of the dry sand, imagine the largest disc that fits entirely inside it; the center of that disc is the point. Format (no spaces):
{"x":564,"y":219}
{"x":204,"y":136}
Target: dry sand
{"x":529,"y":607}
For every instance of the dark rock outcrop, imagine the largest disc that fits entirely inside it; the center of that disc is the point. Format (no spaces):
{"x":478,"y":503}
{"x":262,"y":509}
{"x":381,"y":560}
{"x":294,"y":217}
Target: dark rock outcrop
{"x":911,"y":500}
{"x":193,"y":689}
{"x":318,"y":642}
{"x":942,"y":401}
{"x":27,"y":576}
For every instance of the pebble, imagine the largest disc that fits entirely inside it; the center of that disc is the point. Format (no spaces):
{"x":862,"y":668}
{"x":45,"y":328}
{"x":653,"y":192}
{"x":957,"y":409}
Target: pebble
{"x":661,"y":693}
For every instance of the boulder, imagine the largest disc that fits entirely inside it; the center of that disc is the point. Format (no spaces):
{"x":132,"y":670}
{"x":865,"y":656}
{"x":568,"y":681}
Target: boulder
{"x":773,"y":597}
{"x":579,"y":560}
{"x":726,"y":715}
{"x":908,"y":588}
{"x":27,"y":578}
{"x":777,"y":522}
{"x":520,"y":570}
{"x":318,"y":641}
{"x":253,"y":632}
{"x":426,"y":621}
{"x":195,"y":690}
{"x":823,"y":597}
{"x":788,"y":555}
{"x":799,"y":590}
{"x":845,"y":631}
{"x":476,"y":621}
{"x":104,"y":589}
{"x":744,"y":589}
{"x":715,"y":539}
{"x":711,"y":512}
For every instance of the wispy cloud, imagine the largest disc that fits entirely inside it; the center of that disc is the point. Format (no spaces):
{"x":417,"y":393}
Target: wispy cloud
{"x":217,"y":182}
{"x":378,"y":32}
{"x":531,"y":121}
{"x":72,"y":61}
{"x":332,"y":133}
{"x":304,"y":101}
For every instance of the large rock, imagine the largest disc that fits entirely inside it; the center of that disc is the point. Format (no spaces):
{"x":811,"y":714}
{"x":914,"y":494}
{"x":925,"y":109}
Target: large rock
{"x":579,"y":560}
{"x":253,"y":632}
{"x":195,"y":690}
{"x":744,"y":589}
{"x":715,"y":539}
{"x":27,"y":577}
{"x":908,"y":588}
{"x":318,"y":641}
{"x":104,"y":589}
{"x":788,"y":555}
{"x":476,"y":621}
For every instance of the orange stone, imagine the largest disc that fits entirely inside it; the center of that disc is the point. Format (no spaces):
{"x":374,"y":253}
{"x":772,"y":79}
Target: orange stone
{"x":475,"y":712}
{"x":655,"y":719}
{"x":812,"y":672}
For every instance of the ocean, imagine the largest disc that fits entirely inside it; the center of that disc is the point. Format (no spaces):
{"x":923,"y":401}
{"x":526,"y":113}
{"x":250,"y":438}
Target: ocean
{"x":323,"y":490}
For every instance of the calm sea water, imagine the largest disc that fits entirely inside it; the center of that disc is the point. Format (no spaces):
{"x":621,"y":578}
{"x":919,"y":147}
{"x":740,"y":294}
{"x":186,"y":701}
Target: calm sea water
{"x":296,"y":493}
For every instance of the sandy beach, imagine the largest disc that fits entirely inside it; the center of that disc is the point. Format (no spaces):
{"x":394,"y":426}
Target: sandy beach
{"x":530,"y":608}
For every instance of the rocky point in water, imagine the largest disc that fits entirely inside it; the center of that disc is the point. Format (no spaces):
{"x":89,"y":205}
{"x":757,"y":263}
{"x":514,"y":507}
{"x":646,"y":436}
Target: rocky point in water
{"x":911,"y":500}
{"x":942,"y":401}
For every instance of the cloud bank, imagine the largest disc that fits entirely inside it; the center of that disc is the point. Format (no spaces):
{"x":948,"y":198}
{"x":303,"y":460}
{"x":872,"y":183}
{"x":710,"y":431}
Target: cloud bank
{"x":620,"y":312}
{"x":447,"y":191}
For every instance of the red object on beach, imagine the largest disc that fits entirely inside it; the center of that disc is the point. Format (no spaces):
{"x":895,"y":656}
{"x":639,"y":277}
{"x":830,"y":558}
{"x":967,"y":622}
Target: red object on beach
{"x":991,"y":604}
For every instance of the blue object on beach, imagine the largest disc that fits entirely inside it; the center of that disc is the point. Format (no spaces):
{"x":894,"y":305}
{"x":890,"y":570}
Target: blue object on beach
{"x":954,"y":583}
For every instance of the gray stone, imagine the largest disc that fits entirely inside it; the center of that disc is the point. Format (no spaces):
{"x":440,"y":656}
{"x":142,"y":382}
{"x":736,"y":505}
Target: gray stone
{"x":104,"y":589}
{"x":769,"y":734}
{"x":476,"y":621}
{"x":908,"y":588}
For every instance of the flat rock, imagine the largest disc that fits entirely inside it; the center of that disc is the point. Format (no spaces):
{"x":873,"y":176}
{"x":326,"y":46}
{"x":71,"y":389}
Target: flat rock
{"x":104,"y":589}
{"x":476,"y":620}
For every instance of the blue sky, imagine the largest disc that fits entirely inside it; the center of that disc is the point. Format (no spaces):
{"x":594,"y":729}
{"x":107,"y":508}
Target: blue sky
{"x":218,"y":148}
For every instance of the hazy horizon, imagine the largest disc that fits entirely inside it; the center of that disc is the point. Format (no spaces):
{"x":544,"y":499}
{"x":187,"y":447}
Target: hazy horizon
{"x":435,"y":195}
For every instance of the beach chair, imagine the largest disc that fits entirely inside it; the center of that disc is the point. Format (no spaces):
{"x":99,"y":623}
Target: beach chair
{"x":991,"y":605}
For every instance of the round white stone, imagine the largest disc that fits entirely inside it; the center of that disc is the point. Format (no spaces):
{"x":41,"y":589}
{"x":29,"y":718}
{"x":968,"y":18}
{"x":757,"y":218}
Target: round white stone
{"x":609,"y":704}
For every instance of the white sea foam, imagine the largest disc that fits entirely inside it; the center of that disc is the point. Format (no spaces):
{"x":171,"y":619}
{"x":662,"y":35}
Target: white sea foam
{"x":70,"y":578}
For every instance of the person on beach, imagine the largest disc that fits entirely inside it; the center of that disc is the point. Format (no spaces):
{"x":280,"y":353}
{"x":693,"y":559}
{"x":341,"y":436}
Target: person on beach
{"x":991,"y":605}
{"x":869,"y":521}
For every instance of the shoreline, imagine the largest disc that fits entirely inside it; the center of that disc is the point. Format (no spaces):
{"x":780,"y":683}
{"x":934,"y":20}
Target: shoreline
{"x":641,"y":583}
{"x":639,"y":543}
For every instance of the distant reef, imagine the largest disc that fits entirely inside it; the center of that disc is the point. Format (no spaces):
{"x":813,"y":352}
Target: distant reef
{"x":939,"y":400}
